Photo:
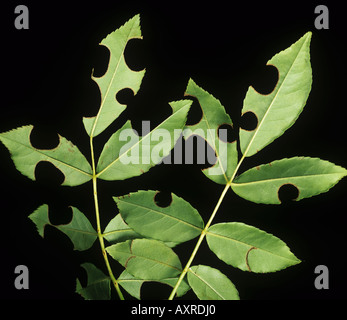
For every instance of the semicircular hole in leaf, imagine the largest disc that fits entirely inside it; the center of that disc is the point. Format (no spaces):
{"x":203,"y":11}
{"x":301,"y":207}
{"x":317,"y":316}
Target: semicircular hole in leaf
{"x":226,"y":133}
{"x":47,"y":174}
{"x":145,"y":119}
{"x":288,"y":193}
{"x":163,"y":199}
{"x":264,"y":79}
{"x":125,"y":96}
{"x":249,"y":121}
{"x":135,"y":54}
{"x":43,"y":137}
{"x":198,"y":152}
{"x":195,"y":111}
{"x":101,"y":57}
{"x":59,"y":214}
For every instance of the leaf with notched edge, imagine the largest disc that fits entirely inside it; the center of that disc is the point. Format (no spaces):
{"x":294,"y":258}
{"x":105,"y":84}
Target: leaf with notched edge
{"x":98,"y":284}
{"x":177,"y":222}
{"x":79,"y":229}
{"x":133,"y":285}
{"x":117,"y":77}
{"x":311,"y":176}
{"x":122,"y":159}
{"x":278,"y":111}
{"x":213,"y":116}
{"x":66,"y":156}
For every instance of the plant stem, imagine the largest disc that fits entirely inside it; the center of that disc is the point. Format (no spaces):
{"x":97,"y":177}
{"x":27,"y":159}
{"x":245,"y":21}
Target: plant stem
{"x":98,"y":227}
{"x":202,"y":236}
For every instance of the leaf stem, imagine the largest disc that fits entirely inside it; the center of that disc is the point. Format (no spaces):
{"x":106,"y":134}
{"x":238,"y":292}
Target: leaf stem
{"x":98,"y":227}
{"x":202,"y":236}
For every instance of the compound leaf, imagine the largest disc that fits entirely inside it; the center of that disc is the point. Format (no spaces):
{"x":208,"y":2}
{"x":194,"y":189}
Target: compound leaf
{"x":213,"y":116}
{"x":278,"y":111}
{"x":118,"y":231}
{"x":177,"y":222}
{"x":211,"y":284}
{"x":66,"y":156}
{"x":311,"y":176}
{"x":122,"y":159}
{"x":79,"y":229}
{"x":146,"y":259}
{"x":133,"y":285}
{"x":248,"y":248}
{"x":117,"y":77}
{"x":98,"y":284}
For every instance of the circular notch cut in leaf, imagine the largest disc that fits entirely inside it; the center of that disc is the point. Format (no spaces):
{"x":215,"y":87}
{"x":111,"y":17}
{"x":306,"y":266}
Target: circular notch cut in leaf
{"x":277,"y":111}
{"x":211,"y":284}
{"x":177,"y":222}
{"x":66,"y":156}
{"x":79,"y":229}
{"x":146,"y":259}
{"x":133,"y":285}
{"x":213,"y":116}
{"x":248,"y":248}
{"x":311,"y":176}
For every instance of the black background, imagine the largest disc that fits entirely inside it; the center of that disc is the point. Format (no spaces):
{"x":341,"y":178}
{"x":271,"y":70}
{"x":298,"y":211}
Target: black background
{"x":224,"y":47}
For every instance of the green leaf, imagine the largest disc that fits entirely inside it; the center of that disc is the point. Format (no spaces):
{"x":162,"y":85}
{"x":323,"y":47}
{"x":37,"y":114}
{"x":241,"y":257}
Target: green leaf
{"x":66,"y":156}
{"x":278,"y":111}
{"x":117,"y":77}
{"x":118,"y":231}
{"x":210,"y":284}
{"x":311,"y":176}
{"x":133,"y":285}
{"x":146,"y":259}
{"x":248,"y":248}
{"x":213,"y":116}
{"x":177,"y":222}
{"x":122,"y":159}
{"x":98,"y":284}
{"x":79,"y":230}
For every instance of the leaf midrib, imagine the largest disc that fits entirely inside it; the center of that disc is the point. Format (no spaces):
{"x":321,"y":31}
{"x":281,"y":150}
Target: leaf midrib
{"x":63,"y":227}
{"x":206,"y":283}
{"x":139,"y":141}
{"x":248,"y":245}
{"x":284,"y":178}
{"x":162,"y":213}
{"x":215,"y":147}
{"x":110,"y":83}
{"x":273,"y":100}
{"x":30,"y":147}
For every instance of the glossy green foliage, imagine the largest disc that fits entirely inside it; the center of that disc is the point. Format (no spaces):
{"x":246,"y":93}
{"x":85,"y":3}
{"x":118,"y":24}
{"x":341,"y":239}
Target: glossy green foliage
{"x":118,"y":231}
{"x":210,"y":284}
{"x":180,"y":220}
{"x":142,"y":236}
{"x":277,"y":111}
{"x":117,"y":77}
{"x":213,"y":116}
{"x":248,"y":248}
{"x":66,"y":156}
{"x":311,"y":176}
{"x":146,"y":259}
{"x":122,"y":159}
{"x":98,"y":284}
{"x":133,"y":285}
{"x":79,"y":229}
